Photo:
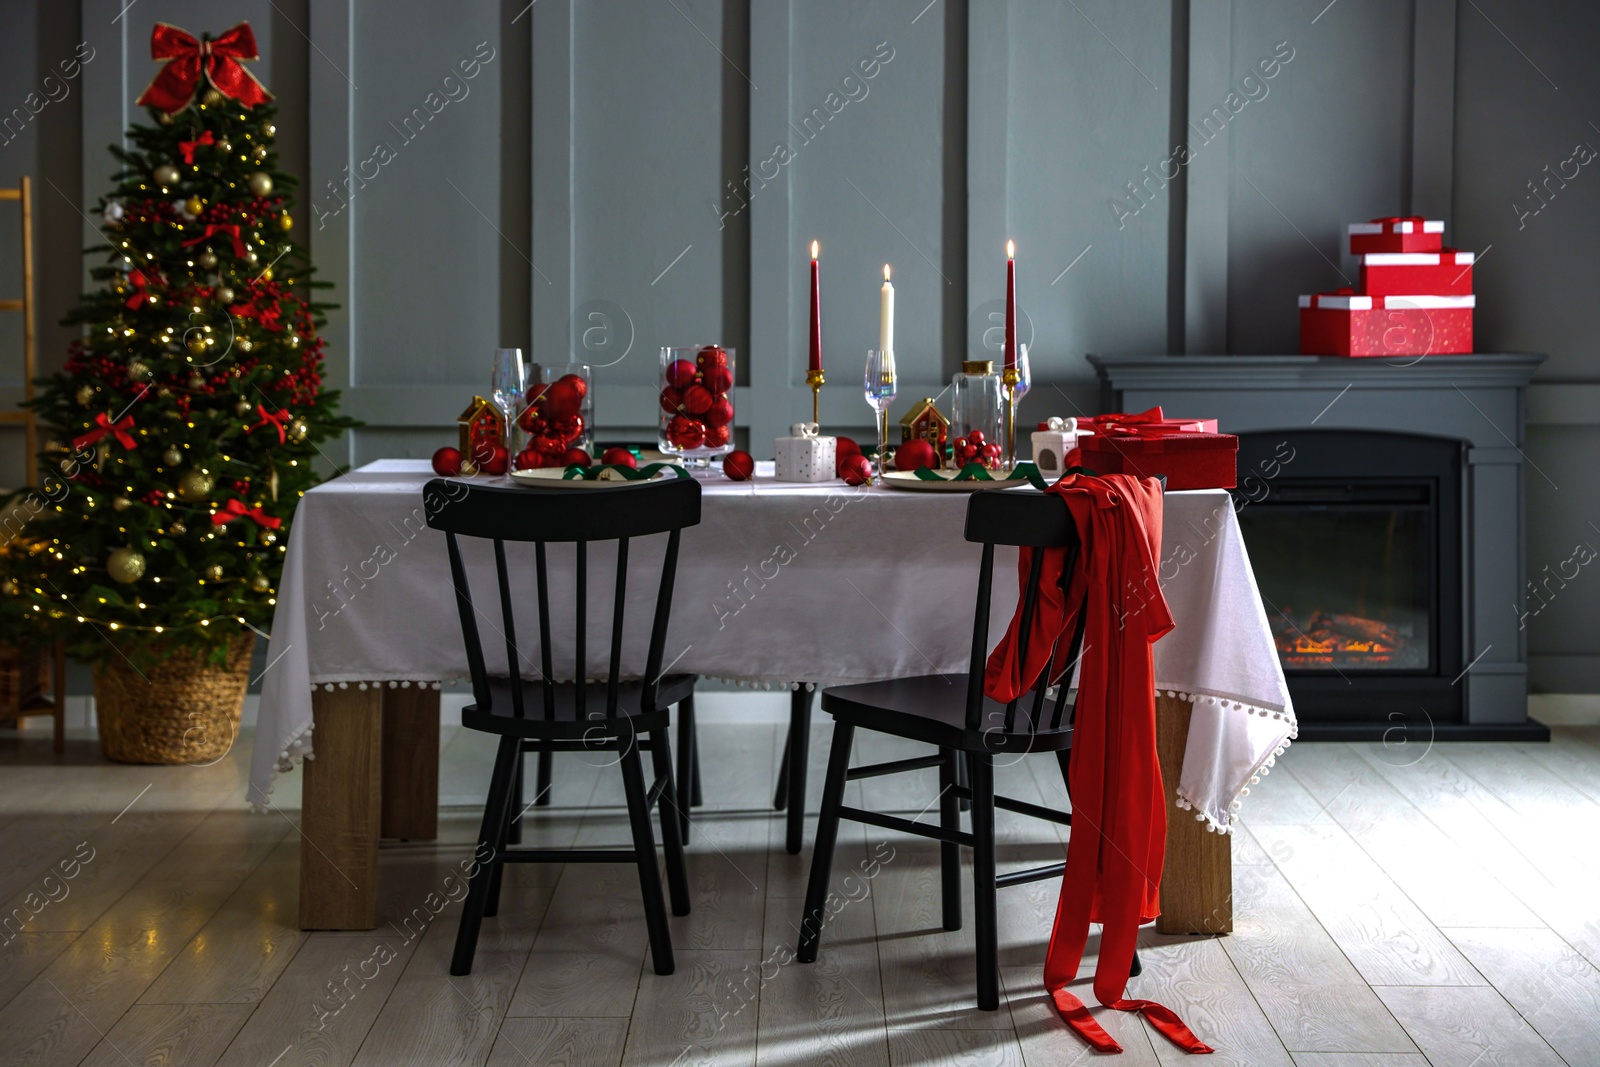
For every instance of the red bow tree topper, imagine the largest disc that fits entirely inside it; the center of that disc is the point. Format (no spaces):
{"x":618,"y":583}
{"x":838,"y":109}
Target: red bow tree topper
{"x":184,"y":58}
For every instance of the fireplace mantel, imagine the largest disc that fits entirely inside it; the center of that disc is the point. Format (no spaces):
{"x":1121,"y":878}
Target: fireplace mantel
{"x":1478,"y":399}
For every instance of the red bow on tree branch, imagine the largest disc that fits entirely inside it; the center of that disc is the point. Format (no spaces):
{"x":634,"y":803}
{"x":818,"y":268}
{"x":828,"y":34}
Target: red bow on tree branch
{"x":237,"y":509}
{"x":141,"y":285}
{"x":275,"y":419}
{"x":184,"y":58}
{"x":104,"y":426}
{"x":226,"y":229}
{"x":186,"y":148}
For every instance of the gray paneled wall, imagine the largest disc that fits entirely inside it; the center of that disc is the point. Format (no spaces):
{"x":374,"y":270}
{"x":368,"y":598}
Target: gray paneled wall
{"x":619,"y":174}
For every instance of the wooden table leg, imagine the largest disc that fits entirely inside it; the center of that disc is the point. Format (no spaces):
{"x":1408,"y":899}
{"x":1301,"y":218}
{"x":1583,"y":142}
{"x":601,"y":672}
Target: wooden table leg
{"x":410,"y":763}
{"x":341,"y":811}
{"x":1197,"y":881}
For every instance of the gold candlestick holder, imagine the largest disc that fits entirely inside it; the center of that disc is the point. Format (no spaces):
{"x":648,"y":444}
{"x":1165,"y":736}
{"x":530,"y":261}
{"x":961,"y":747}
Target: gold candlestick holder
{"x":1010,"y":378}
{"x":815,"y":378}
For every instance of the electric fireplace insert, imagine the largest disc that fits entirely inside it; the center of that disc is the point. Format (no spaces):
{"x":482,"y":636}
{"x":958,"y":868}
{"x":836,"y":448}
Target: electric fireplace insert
{"x":1356,"y":540}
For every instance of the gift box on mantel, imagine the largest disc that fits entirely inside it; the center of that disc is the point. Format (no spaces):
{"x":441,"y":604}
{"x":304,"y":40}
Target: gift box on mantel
{"x":1346,"y":323}
{"x":805,"y":455}
{"x":1190,"y":459}
{"x":1396,"y":234}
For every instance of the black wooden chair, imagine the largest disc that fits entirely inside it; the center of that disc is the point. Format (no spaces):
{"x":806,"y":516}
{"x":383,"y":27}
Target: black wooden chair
{"x":952,"y":713}
{"x":541,"y":714}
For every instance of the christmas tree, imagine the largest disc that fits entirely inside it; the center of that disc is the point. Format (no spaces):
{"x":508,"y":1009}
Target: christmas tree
{"x":184,"y":424}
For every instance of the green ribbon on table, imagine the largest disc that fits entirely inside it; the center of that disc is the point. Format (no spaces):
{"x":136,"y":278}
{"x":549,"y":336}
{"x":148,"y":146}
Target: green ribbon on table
{"x":578,"y":472}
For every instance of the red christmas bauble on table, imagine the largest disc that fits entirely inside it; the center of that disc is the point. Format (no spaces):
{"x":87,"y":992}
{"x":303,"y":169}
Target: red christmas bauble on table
{"x":491,"y":458}
{"x":914,"y":454}
{"x":740,"y":466}
{"x":575,"y":457}
{"x":619,"y":457}
{"x":855,"y":469}
{"x":847,"y":447}
{"x":447,"y":462}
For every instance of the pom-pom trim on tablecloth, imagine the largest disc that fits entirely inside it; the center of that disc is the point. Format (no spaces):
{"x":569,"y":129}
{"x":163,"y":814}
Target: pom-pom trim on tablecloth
{"x":1225,"y":825}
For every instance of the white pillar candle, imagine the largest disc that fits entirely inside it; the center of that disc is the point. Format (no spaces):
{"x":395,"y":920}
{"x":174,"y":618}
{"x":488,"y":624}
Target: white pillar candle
{"x":886,"y":314}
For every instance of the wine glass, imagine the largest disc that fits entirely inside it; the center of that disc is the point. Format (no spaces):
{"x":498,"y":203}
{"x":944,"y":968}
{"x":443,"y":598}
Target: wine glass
{"x":508,"y":384}
{"x":879,"y":386}
{"x":1024,"y":373}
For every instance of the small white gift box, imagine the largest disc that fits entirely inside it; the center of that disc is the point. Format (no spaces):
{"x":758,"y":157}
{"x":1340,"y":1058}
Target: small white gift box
{"x":805,"y":455}
{"x":1051,"y":445}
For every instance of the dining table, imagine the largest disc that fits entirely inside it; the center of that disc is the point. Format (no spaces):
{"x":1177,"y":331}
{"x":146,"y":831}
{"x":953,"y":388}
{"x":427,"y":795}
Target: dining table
{"x":785,"y":585}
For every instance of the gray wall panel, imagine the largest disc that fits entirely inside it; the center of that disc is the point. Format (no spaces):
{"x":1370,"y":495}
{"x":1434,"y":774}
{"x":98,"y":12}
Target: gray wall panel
{"x":1325,"y":146}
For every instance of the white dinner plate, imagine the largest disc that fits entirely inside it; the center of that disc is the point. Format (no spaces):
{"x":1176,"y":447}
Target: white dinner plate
{"x":908,"y":480}
{"x":551,"y":477}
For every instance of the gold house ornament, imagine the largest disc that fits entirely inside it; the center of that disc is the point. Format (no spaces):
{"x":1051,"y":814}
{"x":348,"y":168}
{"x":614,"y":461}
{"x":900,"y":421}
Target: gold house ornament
{"x":481,"y":422}
{"x":925,"y":421}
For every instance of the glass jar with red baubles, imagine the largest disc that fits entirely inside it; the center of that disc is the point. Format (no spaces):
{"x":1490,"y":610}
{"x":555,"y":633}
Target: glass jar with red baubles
{"x":557,"y":422}
{"x":697,"y":402}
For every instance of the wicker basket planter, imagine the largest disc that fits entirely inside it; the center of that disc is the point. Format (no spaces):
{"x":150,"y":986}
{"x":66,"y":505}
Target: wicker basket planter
{"x":180,"y":711}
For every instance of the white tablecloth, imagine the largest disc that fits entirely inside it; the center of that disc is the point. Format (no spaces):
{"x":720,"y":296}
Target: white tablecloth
{"x":780,"y":583}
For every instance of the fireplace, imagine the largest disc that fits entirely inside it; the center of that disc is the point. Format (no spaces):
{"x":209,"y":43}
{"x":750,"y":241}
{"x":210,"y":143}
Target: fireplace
{"x":1390,"y":548}
{"x":1356,"y":543}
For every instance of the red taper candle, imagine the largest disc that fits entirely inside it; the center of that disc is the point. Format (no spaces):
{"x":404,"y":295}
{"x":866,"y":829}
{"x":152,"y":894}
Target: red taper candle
{"x":1011,"y":304}
{"x":816,"y":313}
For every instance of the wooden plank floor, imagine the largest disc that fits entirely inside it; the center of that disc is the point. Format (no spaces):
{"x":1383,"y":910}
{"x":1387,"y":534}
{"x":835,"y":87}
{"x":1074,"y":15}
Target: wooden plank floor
{"x":1391,"y":910}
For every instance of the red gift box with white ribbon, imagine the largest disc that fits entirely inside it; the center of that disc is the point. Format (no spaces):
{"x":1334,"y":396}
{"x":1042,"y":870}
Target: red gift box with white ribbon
{"x":1443,"y":273}
{"x":1395,"y":234}
{"x":1351,"y":324}
{"x":1189,"y":459}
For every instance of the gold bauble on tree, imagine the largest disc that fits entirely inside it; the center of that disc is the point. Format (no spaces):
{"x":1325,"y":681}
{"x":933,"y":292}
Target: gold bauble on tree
{"x":9,"y":587}
{"x":261,"y":183}
{"x":125,"y":565}
{"x":242,"y":407}
{"x":172,"y":457}
{"x":299,"y":429}
{"x":269,"y":538}
{"x":195,"y":486}
{"x":269,"y":130}
{"x":212,"y":98}
{"x":139,"y":371}
{"x":194,"y":205}
{"x":285,"y":222}
{"x":259,"y":153}
{"x":260,"y":583}
{"x":251,"y":258}
{"x":177,"y":529}
{"x":213,"y":573}
{"x":121,"y":503}
{"x":224,"y":295}
{"x":266,"y":275}
{"x":85,"y":394}
{"x":195,"y":342}
{"x":208,"y":259}
{"x":166,"y":175}
{"x":196,"y":383}
{"x":224,"y":146}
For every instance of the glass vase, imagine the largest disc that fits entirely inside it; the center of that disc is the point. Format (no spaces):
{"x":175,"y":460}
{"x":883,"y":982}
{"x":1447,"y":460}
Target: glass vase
{"x":696,"y":393}
{"x":558,"y":419}
{"x":977,"y":416}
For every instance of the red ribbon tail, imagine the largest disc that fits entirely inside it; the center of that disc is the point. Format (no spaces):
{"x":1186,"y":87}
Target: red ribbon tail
{"x":1077,"y":1016}
{"x":1166,"y":1020}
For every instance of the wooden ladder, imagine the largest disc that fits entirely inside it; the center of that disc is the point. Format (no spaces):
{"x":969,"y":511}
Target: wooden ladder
{"x":31,"y":665}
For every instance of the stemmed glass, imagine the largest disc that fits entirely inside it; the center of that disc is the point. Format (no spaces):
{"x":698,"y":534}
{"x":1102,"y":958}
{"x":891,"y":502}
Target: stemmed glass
{"x":1024,"y":373}
{"x":508,"y":386}
{"x":879,"y":386}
